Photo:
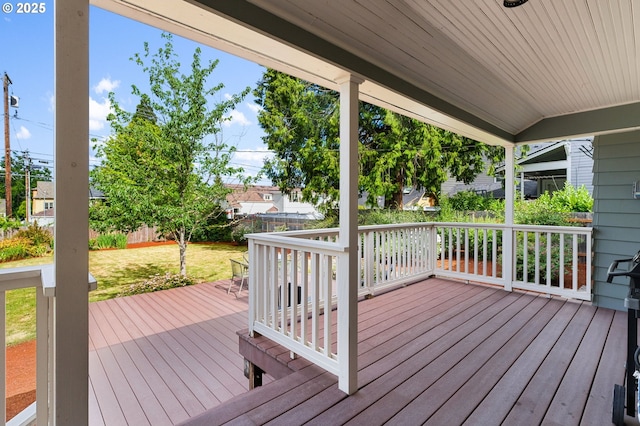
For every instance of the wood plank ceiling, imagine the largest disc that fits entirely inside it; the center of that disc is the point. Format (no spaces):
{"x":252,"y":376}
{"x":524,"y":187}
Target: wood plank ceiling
{"x":547,"y":69}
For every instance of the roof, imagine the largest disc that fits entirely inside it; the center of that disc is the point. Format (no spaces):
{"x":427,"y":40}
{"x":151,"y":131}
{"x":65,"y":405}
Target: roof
{"x":44,"y":189}
{"x":45,"y":213}
{"x":545,"y":70}
{"x":250,"y":194}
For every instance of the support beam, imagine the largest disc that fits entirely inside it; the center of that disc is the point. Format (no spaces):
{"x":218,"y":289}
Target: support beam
{"x":507,"y":238}
{"x":71,"y":308}
{"x":348,"y":236}
{"x":254,"y":374}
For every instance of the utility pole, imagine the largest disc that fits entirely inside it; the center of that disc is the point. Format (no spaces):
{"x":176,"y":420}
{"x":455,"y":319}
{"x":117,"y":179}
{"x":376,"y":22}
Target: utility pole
{"x":27,"y":186}
{"x":7,"y":148}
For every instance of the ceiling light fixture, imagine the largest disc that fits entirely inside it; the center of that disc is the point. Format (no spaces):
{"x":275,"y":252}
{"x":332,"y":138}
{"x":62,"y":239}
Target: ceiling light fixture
{"x":513,"y":3}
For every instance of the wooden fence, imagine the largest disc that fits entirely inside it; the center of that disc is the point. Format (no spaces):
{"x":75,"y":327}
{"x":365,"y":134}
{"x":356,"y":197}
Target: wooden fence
{"x":142,"y":235}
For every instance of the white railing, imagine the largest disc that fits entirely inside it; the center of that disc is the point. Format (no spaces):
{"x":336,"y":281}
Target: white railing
{"x":393,"y":255}
{"x":293,"y":275}
{"x":470,"y":251}
{"x":42,"y":279}
{"x":555,"y":260}
{"x":284,"y":270}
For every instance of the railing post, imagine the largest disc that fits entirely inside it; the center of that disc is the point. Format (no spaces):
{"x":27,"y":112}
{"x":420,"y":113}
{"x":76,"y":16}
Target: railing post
{"x":44,"y":354}
{"x":253,"y":288}
{"x":433,"y":247}
{"x":368,"y":251}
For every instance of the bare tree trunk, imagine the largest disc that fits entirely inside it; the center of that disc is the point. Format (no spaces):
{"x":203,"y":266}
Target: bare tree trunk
{"x":398,"y":197}
{"x":183,"y":253}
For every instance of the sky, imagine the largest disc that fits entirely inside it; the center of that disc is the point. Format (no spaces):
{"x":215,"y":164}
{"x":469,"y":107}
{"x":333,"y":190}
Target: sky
{"x":27,"y":57}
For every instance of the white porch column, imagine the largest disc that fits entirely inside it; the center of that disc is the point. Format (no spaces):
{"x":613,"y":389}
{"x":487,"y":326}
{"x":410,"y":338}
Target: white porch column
{"x":71,"y":261}
{"x":507,"y":237}
{"x":348,"y":236}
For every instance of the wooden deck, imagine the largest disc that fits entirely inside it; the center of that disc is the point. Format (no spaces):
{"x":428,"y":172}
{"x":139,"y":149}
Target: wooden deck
{"x":446,"y":353}
{"x":161,"y":358}
{"x":437,"y":352}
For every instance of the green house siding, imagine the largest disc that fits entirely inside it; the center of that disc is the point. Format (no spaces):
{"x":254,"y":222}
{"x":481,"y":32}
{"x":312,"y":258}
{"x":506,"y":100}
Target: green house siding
{"x":616,"y":215}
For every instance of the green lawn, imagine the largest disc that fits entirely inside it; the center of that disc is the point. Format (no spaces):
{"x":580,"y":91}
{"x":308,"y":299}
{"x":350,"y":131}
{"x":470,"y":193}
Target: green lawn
{"x":116,"y":269}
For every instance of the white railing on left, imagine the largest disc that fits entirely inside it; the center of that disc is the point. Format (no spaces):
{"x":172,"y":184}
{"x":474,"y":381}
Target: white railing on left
{"x":42,"y":279}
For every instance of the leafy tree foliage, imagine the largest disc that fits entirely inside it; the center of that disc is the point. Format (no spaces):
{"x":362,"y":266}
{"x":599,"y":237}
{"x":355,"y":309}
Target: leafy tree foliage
{"x":301,"y":122}
{"x":166,"y":164}
{"x":19,"y":163}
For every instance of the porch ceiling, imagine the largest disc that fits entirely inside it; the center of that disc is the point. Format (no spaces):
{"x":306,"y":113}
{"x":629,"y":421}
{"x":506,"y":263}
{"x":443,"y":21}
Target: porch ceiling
{"x":542,"y":71}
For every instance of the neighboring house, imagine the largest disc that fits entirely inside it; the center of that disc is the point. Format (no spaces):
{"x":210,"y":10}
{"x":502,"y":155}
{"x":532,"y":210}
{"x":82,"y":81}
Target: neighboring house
{"x":43,"y":205}
{"x":44,"y":217}
{"x":546,"y":167}
{"x":482,"y":184}
{"x":262,"y":199}
{"x":42,"y":199}
{"x":554,"y":163}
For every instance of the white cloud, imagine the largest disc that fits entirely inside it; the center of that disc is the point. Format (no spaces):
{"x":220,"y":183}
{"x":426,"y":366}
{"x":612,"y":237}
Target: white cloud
{"x":106,"y":85}
{"x":227,"y":96}
{"x":23,"y":133}
{"x":98,"y":112}
{"x":236,"y":117}
{"x":255,"y":108}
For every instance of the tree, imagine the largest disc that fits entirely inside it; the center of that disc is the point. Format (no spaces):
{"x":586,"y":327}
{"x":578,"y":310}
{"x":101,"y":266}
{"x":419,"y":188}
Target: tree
{"x":165,"y":165}
{"x":20,"y":161}
{"x":301,"y":122}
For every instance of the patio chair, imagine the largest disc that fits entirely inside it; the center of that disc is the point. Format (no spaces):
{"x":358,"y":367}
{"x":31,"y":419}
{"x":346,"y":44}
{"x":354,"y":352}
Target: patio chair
{"x":239,"y":270}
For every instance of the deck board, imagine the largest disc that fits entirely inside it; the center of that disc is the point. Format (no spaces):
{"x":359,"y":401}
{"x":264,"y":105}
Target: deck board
{"x":476,"y":356}
{"x":148,"y":362}
{"x":163,"y":357}
{"x":479,"y":383}
{"x":609,"y":371}
{"x":534,"y":402}
{"x":437,"y":352}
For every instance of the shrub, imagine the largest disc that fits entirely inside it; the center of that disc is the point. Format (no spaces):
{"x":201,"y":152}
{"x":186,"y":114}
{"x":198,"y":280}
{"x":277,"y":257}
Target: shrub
{"x":36,"y":234}
{"x":239,"y":232}
{"x":467,"y":201}
{"x":14,"y":249}
{"x":34,"y":241}
{"x":555,"y":267}
{"x":106,"y":241}
{"x":571,"y":199}
{"x":541,"y":211}
{"x":157,"y":282}
{"x":216,"y":229}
